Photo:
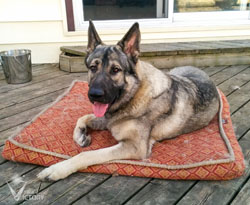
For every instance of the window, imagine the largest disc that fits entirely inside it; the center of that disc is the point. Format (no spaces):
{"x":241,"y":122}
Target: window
{"x":153,"y":13}
{"x":210,"y":5}
{"x":119,"y":9}
{"x":211,"y":10}
{"x":118,"y":13}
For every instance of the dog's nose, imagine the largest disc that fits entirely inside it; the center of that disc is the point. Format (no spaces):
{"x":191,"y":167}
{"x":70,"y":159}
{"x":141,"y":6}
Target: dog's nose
{"x":96,"y":93}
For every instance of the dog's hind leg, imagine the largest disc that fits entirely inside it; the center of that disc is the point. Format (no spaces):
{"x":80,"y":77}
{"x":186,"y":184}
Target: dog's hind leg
{"x":81,"y":136}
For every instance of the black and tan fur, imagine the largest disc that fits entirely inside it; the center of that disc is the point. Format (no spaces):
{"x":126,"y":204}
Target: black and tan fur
{"x":145,"y":105}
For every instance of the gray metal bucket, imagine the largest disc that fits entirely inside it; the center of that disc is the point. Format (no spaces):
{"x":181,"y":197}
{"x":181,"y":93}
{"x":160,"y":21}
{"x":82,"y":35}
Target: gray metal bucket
{"x":16,"y":65}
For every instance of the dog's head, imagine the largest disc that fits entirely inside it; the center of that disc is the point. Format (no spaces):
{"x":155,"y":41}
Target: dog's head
{"x":110,"y":67}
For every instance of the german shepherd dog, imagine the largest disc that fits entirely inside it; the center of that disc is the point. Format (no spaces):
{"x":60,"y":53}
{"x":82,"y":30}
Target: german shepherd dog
{"x":136,"y":102}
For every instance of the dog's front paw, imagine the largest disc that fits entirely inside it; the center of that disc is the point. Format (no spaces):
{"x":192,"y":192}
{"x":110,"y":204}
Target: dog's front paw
{"x":81,"y":137}
{"x":55,"y":172}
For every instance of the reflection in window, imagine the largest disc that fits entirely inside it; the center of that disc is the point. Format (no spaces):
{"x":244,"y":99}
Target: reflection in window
{"x":210,"y":5}
{"x":119,"y":9}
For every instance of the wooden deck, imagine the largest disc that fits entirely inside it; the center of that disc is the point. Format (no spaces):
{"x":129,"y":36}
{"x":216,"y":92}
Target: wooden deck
{"x":20,"y":103}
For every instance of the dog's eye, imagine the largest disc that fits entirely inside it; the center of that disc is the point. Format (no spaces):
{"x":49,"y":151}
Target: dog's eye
{"x":115,"y":70}
{"x":93,"y":68}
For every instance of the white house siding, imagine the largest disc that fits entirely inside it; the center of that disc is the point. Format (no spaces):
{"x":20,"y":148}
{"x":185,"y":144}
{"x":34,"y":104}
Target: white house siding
{"x":40,"y":25}
{"x":35,"y":25}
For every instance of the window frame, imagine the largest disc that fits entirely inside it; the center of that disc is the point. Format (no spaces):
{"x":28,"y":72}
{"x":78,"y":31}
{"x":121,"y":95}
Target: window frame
{"x":175,"y":21}
{"x":81,"y":25}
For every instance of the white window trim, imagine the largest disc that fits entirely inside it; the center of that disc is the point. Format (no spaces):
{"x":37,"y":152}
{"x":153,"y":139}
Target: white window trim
{"x":81,"y":25}
{"x":215,"y":18}
{"x":211,"y":16}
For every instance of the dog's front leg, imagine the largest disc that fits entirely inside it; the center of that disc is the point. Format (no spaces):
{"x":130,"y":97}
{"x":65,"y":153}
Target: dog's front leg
{"x":123,"y":150}
{"x":132,"y":136}
{"x":81,"y":136}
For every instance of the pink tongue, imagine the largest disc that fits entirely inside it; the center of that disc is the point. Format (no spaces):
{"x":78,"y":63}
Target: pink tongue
{"x":99,"y":109}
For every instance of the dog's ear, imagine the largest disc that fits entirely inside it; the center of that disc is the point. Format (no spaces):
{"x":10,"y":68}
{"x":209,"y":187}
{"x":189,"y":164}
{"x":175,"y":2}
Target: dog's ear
{"x":93,"y":38}
{"x":130,"y":43}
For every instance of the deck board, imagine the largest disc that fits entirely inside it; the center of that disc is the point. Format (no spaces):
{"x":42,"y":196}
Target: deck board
{"x":20,"y":103}
{"x":235,"y":82}
{"x":227,"y":73}
{"x":10,"y":169}
{"x":162,"y":192}
{"x":34,"y":90}
{"x":219,"y":192}
{"x":62,"y":187}
{"x":2,"y":160}
{"x":116,"y":190}
{"x":241,"y":120}
{"x":7,"y":133}
{"x":7,"y":198}
{"x":29,"y":104}
{"x":240,"y":97}
{"x":20,"y":118}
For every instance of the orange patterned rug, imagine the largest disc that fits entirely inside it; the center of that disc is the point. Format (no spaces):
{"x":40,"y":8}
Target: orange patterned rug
{"x":204,"y":154}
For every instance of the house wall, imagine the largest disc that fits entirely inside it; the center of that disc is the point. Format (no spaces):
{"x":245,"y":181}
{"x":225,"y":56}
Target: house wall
{"x":35,"y":25}
{"x":40,"y":25}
